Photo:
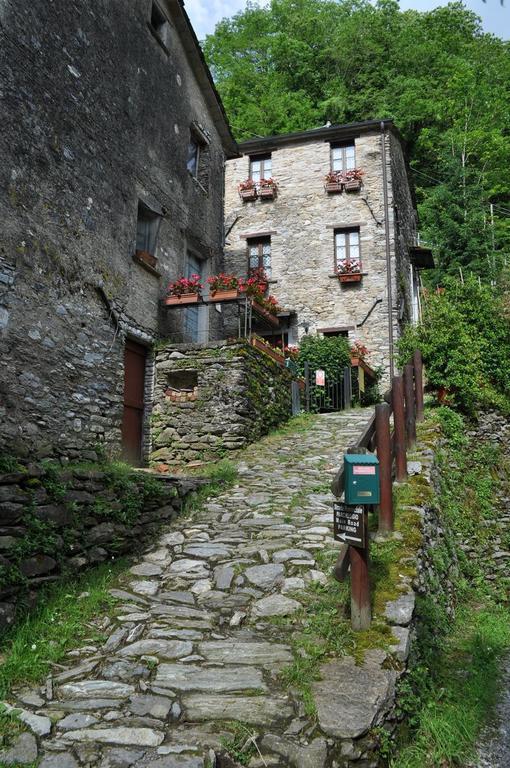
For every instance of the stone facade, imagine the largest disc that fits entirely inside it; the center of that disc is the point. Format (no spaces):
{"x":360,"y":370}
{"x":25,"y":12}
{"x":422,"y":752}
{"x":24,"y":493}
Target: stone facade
{"x":301,"y":223}
{"x":99,"y":102}
{"x":214,"y":399}
{"x":56,"y":522}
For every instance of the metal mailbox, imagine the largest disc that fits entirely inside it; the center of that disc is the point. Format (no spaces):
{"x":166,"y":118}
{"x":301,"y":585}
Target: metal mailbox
{"x":361,"y":478}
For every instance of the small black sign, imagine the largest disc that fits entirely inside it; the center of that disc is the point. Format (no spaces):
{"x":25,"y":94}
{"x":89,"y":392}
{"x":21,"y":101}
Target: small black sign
{"x":349,"y":524}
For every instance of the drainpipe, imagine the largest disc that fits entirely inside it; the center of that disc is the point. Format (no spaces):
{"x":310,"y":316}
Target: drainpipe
{"x":387,"y":241}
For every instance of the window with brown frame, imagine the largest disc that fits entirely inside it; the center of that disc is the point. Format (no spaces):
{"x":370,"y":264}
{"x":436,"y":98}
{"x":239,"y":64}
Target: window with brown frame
{"x":260,"y":167}
{"x":259,"y":254}
{"x":343,"y":157}
{"x":347,"y":248}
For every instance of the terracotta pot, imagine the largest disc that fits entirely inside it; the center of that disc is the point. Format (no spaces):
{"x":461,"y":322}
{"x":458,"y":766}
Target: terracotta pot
{"x":147,"y":258}
{"x":354,"y":360}
{"x":333,"y":186}
{"x":186,"y":298}
{"x":272,"y":319}
{"x":350,"y":277}
{"x":224,"y":295}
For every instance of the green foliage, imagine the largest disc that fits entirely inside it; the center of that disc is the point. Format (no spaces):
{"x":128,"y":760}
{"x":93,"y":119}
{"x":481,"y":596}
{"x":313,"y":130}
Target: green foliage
{"x":451,"y":689}
{"x":241,"y":745}
{"x":465,"y":341}
{"x":9,"y":464}
{"x":329,"y":353}
{"x":291,"y":66}
{"x":60,"y":621}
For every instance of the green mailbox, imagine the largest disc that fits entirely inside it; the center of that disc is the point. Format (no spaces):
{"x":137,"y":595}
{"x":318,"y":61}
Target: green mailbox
{"x":361,"y":478}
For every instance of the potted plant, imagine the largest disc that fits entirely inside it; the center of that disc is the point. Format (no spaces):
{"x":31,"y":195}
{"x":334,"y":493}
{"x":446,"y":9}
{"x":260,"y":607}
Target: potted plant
{"x":358,"y":353}
{"x":352,"y":180}
{"x":333,"y":182}
{"x":146,"y":258}
{"x":247,"y":190}
{"x":223,"y":287}
{"x":349,"y":271}
{"x":267,"y":189}
{"x":185,"y":290}
{"x":267,"y":308}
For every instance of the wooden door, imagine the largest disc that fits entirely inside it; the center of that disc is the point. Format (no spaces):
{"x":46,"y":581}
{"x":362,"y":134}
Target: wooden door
{"x":135,"y":356}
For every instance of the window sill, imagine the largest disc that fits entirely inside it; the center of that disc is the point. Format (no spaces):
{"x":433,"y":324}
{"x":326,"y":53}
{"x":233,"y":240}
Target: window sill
{"x":363,"y":274}
{"x":146,"y":266}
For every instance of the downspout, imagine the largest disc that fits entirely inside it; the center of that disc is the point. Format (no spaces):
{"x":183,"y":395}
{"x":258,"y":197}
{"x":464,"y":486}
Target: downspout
{"x":387,"y":241}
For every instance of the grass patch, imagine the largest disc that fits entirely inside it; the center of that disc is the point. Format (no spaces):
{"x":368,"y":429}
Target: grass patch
{"x":221,"y":475}
{"x":449,"y":694}
{"x":241,"y":744}
{"x":61,"y":620}
{"x":463,"y":691}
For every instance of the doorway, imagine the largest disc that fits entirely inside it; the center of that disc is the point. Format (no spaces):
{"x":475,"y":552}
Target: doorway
{"x":135,"y":358}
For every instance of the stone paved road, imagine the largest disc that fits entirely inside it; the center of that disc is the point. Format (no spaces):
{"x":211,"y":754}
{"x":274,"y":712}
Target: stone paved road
{"x":190,"y":644}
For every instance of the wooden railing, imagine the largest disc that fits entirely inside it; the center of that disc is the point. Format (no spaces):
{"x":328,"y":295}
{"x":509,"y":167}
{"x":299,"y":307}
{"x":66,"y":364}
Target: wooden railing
{"x":404,"y":401}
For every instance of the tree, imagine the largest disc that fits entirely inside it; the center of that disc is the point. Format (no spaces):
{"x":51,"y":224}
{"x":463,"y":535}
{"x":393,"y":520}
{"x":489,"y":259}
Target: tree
{"x":296,"y":64}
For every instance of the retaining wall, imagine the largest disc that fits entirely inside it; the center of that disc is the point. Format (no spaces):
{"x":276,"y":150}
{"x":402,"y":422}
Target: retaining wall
{"x":56,"y":522}
{"x":215,"y":398}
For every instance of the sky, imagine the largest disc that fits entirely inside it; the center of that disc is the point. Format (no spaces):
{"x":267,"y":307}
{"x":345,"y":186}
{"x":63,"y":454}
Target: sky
{"x":204,"y":14}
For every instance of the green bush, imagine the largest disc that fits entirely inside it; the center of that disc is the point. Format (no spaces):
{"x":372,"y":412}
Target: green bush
{"x":329,"y":353}
{"x":465,"y":341}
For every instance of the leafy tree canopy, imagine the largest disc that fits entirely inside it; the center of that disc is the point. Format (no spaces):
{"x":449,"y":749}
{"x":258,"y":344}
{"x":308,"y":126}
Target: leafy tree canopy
{"x":295,"y":64}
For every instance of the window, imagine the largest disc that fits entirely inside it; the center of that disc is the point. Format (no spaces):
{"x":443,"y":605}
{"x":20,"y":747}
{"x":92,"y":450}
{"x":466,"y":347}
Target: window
{"x":343,"y":157}
{"x":193,"y":156}
{"x":260,"y":167}
{"x":198,"y":160}
{"x":347,"y":248}
{"x":147,"y":228}
{"x":259,"y":255}
{"x":159,"y":25}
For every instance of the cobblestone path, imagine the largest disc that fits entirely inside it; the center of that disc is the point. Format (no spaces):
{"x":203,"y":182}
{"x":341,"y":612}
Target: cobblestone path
{"x":193,"y":642}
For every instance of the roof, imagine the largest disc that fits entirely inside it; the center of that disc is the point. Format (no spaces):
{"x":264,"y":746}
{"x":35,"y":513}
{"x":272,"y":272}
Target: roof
{"x":201,"y":71}
{"x":325,"y":133}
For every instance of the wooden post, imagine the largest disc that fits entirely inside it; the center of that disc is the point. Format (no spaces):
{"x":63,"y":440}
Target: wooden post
{"x":418,"y":383}
{"x":383,"y":446}
{"x":397,"y":400}
{"x":409,"y":406}
{"x":361,"y":614}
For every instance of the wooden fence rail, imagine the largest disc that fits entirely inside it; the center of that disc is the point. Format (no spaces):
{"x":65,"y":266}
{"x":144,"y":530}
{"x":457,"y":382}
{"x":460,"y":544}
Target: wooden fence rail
{"x":405,"y":402}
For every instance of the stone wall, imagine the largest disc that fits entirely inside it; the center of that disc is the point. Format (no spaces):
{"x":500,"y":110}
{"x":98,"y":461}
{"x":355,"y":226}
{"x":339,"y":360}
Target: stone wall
{"x":301,"y":223}
{"x":56,"y":521}
{"x":96,"y":116}
{"x":213,"y":399}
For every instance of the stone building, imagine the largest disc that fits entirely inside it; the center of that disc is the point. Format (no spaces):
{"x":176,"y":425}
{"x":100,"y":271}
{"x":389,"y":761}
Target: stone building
{"x":112,"y":152}
{"x":335,"y":231}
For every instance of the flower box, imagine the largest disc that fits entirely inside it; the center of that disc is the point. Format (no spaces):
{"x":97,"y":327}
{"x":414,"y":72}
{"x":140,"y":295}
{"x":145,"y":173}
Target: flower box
{"x":268,"y":350}
{"x":185,"y":298}
{"x":224,"y":295}
{"x":263,"y":312}
{"x":248,"y":195}
{"x":147,"y":258}
{"x":333,"y":186}
{"x":350,"y":277}
{"x":353,"y":185}
{"x":267,"y":193}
